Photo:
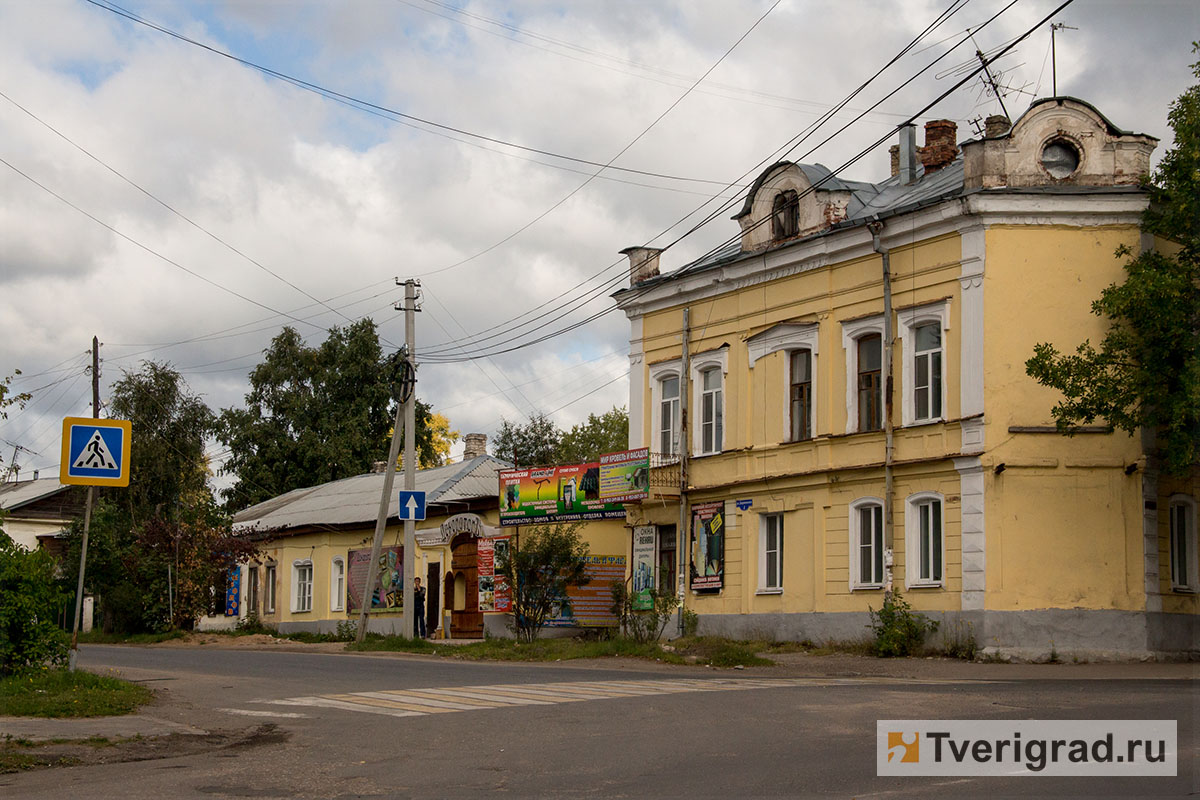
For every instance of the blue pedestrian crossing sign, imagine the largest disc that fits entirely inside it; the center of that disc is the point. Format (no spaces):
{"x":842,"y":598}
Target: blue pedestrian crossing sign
{"x":95,"y":452}
{"x":412,"y":505}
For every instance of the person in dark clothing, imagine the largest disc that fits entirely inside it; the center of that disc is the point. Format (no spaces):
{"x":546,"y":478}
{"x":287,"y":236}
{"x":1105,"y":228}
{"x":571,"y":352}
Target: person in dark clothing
{"x":418,"y":609}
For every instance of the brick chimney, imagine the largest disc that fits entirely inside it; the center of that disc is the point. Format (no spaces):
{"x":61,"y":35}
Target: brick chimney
{"x":941,"y":144}
{"x":996,"y":125}
{"x":476,"y":445}
{"x":643,"y":263}
{"x":894,"y":154}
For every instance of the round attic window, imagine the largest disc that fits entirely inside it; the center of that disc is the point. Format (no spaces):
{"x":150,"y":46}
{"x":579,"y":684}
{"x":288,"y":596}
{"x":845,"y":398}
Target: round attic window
{"x":1060,"y":158}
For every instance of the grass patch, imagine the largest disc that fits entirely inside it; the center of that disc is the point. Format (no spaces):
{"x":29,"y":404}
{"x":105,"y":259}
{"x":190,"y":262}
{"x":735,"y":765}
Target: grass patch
{"x":719,"y":652}
{"x":100,"y":637}
{"x":62,"y":693}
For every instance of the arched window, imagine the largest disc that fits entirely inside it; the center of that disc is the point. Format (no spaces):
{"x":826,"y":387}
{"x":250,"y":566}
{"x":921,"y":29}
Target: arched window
{"x":866,"y":543}
{"x":785,"y":215}
{"x":337,"y":584}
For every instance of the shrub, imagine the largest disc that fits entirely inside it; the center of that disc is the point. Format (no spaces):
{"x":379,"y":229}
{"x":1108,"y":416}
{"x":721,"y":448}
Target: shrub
{"x":549,"y":560}
{"x":643,"y":625}
{"x":691,"y":622}
{"x":899,"y":631}
{"x":30,"y":598}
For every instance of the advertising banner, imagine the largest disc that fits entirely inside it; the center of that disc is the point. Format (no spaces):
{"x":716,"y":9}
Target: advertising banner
{"x":494,"y":594}
{"x":389,"y":587}
{"x":708,"y":546}
{"x":233,"y":592}
{"x":644,"y":540}
{"x":625,"y":476}
{"x":591,"y":604}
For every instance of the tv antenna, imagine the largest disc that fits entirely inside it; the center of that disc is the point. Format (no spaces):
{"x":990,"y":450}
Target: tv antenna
{"x":1056,"y":26}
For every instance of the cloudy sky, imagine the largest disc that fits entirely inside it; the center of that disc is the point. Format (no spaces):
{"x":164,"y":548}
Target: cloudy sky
{"x":182,"y":179}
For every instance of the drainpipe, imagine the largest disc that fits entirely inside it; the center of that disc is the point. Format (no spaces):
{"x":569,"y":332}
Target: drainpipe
{"x":683,"y":534}
{"x":876,"y":227}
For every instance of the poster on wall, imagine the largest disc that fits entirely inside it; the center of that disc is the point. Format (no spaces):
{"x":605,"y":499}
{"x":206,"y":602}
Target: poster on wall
{"x":494,"y":594}
{"x":574,"y":493}
{"x":389,"y":587}
{"x":233,"y":592}
{"x":708,"y":546}
{"x":591,"y":604}
{"x":644,"y":541}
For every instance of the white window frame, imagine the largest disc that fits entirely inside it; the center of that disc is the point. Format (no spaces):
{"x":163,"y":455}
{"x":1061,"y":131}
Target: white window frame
{"x":658,"y":373}
{"x":302,"y":599}
{"x":270,"y":580}
{"x":768,"y":583}
{"x":856,"y":579}
{"x":337,"y":584}
{"x":701,"y":363}
{"x":909,"y":320}
{"x":852,"y":331}
{"x":912,"y":540}
{"x":1191,"y":567}
{"x":790,"y":338}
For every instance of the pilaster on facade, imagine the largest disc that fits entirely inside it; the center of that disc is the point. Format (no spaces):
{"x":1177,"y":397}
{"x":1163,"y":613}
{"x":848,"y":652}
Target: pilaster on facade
{"x":974,"y":541}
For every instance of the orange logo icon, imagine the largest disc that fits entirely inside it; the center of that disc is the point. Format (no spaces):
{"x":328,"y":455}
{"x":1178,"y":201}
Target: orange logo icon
{"x":909,"y":751}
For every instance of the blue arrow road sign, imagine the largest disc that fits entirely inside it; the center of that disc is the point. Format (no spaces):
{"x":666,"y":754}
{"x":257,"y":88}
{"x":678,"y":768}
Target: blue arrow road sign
{"x":412,"y":505}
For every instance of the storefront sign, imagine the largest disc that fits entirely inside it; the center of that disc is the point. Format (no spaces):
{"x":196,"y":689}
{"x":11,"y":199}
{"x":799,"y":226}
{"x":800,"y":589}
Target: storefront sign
{"x":389,"y":585}
{"x":708,"y":546}
{"x":644,"y":540}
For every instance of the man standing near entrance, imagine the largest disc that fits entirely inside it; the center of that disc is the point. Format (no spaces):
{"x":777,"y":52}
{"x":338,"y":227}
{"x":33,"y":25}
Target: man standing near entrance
{"x":418,"y":609}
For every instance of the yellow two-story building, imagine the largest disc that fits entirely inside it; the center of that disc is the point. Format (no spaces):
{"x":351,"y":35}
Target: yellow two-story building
{"x":838,"y":405}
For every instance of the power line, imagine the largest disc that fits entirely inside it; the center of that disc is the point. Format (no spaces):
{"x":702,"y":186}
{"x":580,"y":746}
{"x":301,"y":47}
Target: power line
{"x":364,"y":104}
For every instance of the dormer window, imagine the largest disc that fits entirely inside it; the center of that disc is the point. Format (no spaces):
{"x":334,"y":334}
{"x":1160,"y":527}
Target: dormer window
{"x":785,"y":215}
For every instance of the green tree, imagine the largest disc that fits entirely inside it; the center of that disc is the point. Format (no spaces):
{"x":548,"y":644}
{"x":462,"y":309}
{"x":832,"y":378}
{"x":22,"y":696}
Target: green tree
{"x":315,"y":414}
{"x":531,"y":445}
{"x":549,"y":559}
{"x":133,"y":568}
{"x":168,"y":467}
{"x":1146,"y":372}
{"x":587,"y":441}
{"x":30,"y":600}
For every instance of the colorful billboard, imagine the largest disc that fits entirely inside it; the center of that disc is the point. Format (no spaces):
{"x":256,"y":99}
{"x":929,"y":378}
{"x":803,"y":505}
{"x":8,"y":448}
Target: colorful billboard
{"x":708,"y":546}
{"x":389,"y":585}
{"x":591,"y":604}
{"x":574,"y":493}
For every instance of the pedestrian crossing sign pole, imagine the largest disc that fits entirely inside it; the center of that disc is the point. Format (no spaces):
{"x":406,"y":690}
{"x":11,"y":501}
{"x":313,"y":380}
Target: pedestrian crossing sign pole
{"x":95,"y":452}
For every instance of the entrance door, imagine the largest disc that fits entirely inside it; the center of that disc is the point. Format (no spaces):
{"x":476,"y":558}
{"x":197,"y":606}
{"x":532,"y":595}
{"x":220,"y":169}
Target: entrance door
{"x":433,"y":606}
{"x":466,"y":620}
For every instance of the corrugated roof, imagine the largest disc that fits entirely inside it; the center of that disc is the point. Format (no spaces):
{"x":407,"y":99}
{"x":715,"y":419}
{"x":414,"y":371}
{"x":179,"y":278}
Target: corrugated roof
{"x":15,"y":494}
{"x":355,"y":501}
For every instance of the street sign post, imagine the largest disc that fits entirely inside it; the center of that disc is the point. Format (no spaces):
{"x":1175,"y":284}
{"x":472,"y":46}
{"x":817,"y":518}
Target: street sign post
{"x":412,"y":505}
{"x":95,"y":452}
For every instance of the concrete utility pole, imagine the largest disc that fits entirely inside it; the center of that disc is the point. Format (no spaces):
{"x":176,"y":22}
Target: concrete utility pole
{"x":410,"y":452}
{"x":404,"y":424}
{"x":684,"y":534}
{"x":87,"y":515}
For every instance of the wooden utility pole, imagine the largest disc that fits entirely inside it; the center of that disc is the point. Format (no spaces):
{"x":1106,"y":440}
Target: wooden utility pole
{"x":87,"y":515}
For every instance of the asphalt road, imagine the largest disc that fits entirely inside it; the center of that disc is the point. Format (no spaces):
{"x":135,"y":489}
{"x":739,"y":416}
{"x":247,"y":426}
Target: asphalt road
{"x":382,"y":726}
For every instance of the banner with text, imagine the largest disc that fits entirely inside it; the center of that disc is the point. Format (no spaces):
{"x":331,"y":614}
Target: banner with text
{"x":708,"y":546}
{"x":591,"y":604}
{"x":494,"y":594}
{"x":574,"y":493}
